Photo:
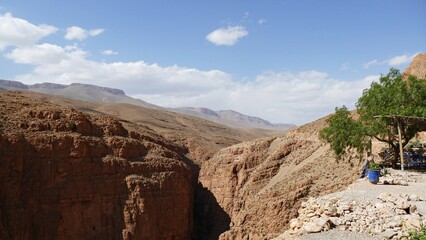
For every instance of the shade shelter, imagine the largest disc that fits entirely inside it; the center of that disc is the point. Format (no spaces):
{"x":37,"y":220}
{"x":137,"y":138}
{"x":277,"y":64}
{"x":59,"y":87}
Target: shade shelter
{"x":399,"y":120}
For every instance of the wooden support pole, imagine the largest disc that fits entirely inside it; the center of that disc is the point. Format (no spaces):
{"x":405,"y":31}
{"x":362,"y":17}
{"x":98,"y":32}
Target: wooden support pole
{"x":401,"y":152}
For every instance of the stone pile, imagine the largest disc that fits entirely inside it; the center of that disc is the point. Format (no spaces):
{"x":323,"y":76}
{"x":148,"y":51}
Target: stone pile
{"x":397,"y":178}
{"x":391,"y":216}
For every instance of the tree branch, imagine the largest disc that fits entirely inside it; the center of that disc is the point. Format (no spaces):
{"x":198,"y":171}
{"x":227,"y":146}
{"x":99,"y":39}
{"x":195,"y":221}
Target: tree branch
{"x":383,"y":140}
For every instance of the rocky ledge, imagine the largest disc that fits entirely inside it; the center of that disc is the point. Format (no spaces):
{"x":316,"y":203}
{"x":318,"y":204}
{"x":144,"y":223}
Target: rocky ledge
{"x":365,"y":208}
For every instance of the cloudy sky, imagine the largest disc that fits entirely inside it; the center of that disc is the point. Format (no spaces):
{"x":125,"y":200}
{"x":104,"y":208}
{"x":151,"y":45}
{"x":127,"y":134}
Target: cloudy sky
{"x":285,"y":61}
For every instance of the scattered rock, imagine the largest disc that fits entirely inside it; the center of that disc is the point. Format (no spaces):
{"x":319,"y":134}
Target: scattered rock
{"x":311,"y":227}
{"x":389,"y":233}
{"x":392,"y":217}
{"x":402,"y":204}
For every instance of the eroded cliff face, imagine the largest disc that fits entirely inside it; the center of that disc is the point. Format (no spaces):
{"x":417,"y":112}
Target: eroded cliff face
{"x":260,"y":184}
{"x":417,"y":67}
{"x":68,"y":175}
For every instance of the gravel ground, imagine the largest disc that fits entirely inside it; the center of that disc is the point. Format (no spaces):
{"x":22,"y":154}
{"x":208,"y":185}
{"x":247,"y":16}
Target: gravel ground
{"x":338,"y":234}
{"x":363,"y":190}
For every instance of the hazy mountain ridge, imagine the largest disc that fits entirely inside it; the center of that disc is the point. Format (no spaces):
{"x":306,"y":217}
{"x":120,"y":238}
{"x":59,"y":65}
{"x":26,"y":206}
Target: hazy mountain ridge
{"x":86,"y":92}
{"x":9,"y":85}
{"x":99,"y":94}
{"x":234,"y":119}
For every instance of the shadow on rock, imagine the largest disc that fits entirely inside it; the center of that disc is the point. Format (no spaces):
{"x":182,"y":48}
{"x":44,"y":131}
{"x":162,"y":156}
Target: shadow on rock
{"x":210,"y":220}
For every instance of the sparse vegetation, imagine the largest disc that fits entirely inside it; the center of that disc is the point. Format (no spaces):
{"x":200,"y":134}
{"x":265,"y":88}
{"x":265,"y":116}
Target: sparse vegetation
{"x":419,"y":234}
{"x":374,"y":166}
{"x":392,"y":95}
{"x":72,"y":126}
{"x":384,"y":172}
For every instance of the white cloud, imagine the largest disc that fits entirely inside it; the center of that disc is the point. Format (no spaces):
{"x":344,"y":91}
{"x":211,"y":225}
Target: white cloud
{"x":96,"y":32}
{"x":400,"y":60}
{"x":70,"y":64}
{"x":392,"y":62}
{"x":261,"y":21}
{"x":276,"y":96}
{"x":371,"y":63}
{"x":109,"y":52}
{"x":78,"y":33}
{"x":37,"y":54}
{"x":227,"y":36}
{"x":18,"y":32}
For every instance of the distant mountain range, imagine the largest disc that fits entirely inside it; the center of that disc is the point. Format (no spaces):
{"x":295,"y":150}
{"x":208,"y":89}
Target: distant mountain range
{"x":233,"y":118}
{"x":85,"y":92}
{"x":98,"y":94}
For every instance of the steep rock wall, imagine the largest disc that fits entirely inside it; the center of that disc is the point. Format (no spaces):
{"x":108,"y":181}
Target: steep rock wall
{"x":68,"y":175}
{"x":260,"y":184}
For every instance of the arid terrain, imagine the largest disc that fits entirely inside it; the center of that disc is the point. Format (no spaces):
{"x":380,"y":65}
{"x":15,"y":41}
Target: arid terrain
{"x":69,"y":175}
{"x":260,"y":184}
{"x":418,"y":67}
{"x":72,"y":169}
{"x":104,"y":95}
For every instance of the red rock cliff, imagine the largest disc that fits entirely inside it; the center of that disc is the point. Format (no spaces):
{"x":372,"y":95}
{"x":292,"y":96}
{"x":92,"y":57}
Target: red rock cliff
{"x":260,"y":184}
{"x":68,"y":175}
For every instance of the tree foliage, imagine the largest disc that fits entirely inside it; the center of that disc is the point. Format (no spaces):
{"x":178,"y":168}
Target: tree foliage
{"x":344,"y":132}
{"x":392,"y":95}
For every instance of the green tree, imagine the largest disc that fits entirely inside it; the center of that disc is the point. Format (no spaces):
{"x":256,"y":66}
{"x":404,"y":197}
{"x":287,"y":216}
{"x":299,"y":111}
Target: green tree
{"x":344,"y":132}
{"x":392,"y":95}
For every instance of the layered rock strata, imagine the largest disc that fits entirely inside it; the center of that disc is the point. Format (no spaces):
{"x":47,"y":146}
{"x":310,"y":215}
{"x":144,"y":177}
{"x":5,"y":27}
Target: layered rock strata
{"x":68,"y":175}
{"x":260,"y":184}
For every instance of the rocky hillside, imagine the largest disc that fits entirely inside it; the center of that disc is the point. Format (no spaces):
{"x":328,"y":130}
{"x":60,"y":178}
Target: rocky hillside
{"x":200,"y":138}
{"x":260,"y":184}
{"x":105,"y":95}
{"x":110,"y":164}
{"x":69,"y":175}
{"x":417,"y":67}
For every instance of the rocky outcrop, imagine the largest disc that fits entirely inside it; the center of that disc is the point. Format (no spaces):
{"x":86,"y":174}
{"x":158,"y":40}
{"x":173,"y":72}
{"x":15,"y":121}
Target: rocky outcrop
{"x":68,"y":175}
{"x":261,"y":184}
{"x":417,"y":67}
{"x":201,"y":139}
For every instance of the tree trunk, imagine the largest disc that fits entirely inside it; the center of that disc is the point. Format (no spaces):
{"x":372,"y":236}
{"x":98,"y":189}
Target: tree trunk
{"x":395,"y":159}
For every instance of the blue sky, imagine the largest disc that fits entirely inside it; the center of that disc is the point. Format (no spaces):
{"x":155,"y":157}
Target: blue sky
{"x":285,"y":61}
